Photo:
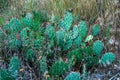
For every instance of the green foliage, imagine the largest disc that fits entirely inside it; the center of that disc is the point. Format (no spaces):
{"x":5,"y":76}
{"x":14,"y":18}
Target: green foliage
{"x":66,"y":23}
{"x":96,"y":29}
{"x":98,"y":47}
{"x":14,"y":66}
{"x":76,"y":54}
{"x":107,"y":59}
{"x":5,"y":75}
{"x":59,"y":68}
{"x":43,"y":65}
{"x":1,"y":21}
{"x":73,"y":76}
{"x":40,"y":16}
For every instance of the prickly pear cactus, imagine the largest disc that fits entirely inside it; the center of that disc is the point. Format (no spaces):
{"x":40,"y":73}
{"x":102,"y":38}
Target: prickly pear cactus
{"x":26,"y":35}
{"x":67,"y":41}
{"x":60,"y":37}
{"x":76,"y":54}
{"x":14,"y":43}
{"x":67,"y":22}
{"x":30,"y":55}
{"x":107,"y":59}
{"x":77,"y":41}
{"x":14,"y":26}
{"x":38,"y":43}
{"x":14,"y":66}
{"x":50,"y":32}
{"x":43,"y":65}
{"x":98,"y":47}
{"x":64,"y":39}
{"x":27,"y":22}
{"x":73,"y":76}
{"x":96,"y":29}
{"x":58,"y":68}
{"x":75,"y":31}
{"x":5,"y":75}
{"x":83,"y":29}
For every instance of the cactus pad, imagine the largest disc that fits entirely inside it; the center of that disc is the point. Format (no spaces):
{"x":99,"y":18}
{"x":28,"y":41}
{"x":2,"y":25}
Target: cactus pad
{"x":96,"y":29}
{"x":107,"y":58}
{"x":14,"y":66}
{"x":98,"y":47}
{"x":73,"y":76}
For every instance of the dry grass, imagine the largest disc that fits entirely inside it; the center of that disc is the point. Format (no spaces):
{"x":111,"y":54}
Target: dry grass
{"x":89,"y":8}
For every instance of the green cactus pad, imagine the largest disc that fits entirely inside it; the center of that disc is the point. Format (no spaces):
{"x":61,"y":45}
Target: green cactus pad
{"x":83,"y":29}
{"x":67,"y":41}
{"x":98,"y":47}
{"x":76,"y":54}
{"x":96,"y":29}
{"x":26,"y":35}
{"x":77,"y":42}
{"x":67,"y":22}
{"x":75,"y":31}
{"x":13,"y":26}
{"x":58,"y":68}
{"x":64,"y":39}
{"x":30,"y":55}
{"x":43,"y":65}
{"x":107,"y":59}
{"x":27,"y":22}
{"x":73,"y":76}
{"x":14,"y":43}
{"x":14,"y":66}
{"x":60,"y":37}
{"x":5,"y":75}
{"x":38,"y":43}
{"x":50,"y":32}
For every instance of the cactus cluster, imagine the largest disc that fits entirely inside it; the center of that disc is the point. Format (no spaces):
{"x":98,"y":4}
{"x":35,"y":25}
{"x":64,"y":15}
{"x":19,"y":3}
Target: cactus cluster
{"x":82,"y":48}
{"x":22,"y":35}
{"x":65,"y":41}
